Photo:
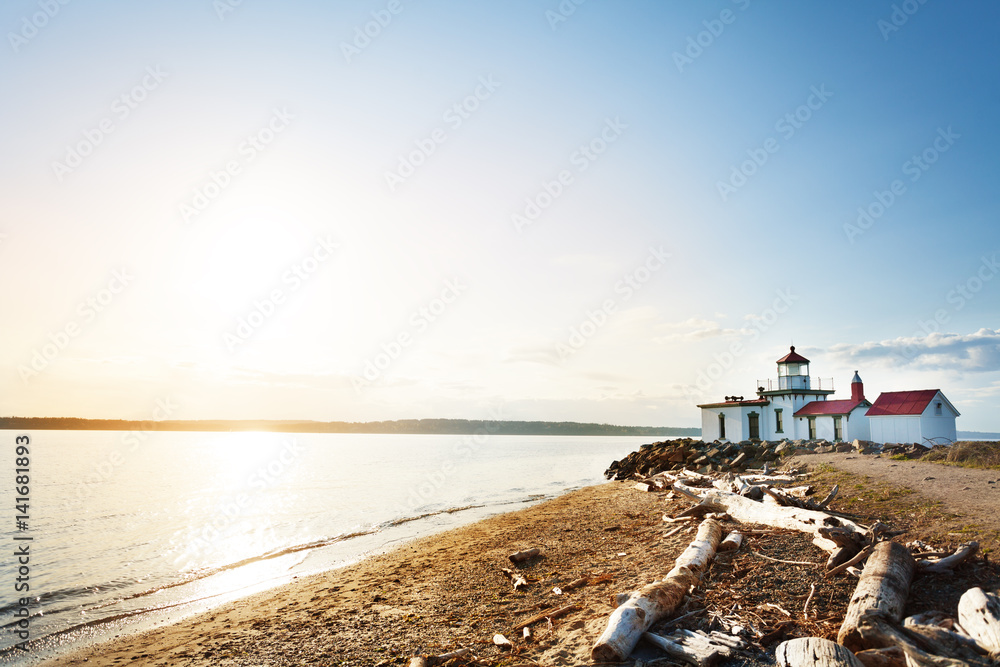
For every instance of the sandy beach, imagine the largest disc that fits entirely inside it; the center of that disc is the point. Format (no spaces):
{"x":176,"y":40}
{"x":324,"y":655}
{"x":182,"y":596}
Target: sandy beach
{"x":447,"y":591}
{"x":432,"y":595}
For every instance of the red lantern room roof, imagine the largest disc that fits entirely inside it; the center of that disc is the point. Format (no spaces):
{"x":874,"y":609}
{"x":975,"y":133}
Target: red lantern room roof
{"x":793,"y":357}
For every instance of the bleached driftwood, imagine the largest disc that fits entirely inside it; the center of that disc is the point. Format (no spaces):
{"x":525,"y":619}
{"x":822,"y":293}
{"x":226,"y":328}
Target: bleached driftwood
{"x":757,"y":479}
{"x":680,"y":652}
{"x":814,"y":652}
{"x":884,"y":585}
{"x":804,"y":520}
{"x":882,"y":657}
{"x":732,"y":542}
{"x":520,"y":556}
{"x":830,"y":496}
{"x":948,"y":563}
{"x":689,"y":491}
{"x":863,"y":554}
{"x":979,"y":615}
{"x":562,"y":611}
{"x":921,"y":649}
{"x":705,"y":480}
{"x":840,"y":556}
{"x":849,"y":543}
{"x":516,"y":578}
{"x":430,"y":660}
{"x":699,"y":649}
{"x":945,"y":642}
{"x":647,"y":605}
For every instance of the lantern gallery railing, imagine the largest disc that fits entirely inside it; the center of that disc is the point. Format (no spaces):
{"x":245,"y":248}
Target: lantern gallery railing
{"x":796,"y":382}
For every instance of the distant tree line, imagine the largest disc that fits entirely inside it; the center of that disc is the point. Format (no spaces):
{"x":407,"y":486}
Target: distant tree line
{"x":406,"y":426}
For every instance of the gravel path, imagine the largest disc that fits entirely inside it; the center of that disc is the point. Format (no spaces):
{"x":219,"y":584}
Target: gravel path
{"x":968,"y":491}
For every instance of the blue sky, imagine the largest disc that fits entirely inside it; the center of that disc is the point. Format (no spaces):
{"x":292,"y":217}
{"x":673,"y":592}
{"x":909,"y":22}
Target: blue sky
{"x":595,"y":212}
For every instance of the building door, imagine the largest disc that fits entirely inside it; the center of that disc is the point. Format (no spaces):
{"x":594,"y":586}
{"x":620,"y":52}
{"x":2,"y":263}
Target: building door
{"x":754,"y":426}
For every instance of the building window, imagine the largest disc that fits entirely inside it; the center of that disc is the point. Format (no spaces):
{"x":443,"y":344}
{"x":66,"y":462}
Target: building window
{"x":778,"y":426}
{"x":722,"y":426}
{"x":812,"y":428}
{"x":838,"y":429}
{"x":937,"y":409}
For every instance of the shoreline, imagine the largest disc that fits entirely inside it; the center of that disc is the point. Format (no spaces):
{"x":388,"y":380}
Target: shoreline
{"x":447,"y":591}
{"x":401,"y":592}
{"x":397,"y":534}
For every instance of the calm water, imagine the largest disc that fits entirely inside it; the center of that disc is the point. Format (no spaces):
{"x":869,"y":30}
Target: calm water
{"x":131,"y":530}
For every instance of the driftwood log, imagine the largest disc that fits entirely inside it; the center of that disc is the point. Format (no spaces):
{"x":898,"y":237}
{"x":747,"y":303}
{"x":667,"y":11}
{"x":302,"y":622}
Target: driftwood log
{"x":430,"y":660}
{"x":793,"y":518}
{"x":647,"y":605}
{"x":562,"y":611}
{"x":948,"y":563}
{"x":696,"y":648}
{"x":521,"y":556}
{"x":979,"y":616}
{"x":814,"y":652}
{"x":732,"y":542}
{"x":883,"y":587}
{"x":921,"y":649}
{"x":516,"y":578}
{"x":882,"y":657}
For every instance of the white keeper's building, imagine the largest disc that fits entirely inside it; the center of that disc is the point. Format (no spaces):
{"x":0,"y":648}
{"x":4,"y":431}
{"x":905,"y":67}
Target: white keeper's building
{"x":797,"y":407}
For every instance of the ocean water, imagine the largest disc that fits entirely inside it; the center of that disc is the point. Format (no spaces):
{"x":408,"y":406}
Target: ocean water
{"x":132,"y":530}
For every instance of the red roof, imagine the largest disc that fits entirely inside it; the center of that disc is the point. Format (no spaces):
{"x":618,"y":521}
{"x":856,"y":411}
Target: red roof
{"x":793,"y":357}
{"x":902,"y":402}
{"x":842,"y":407}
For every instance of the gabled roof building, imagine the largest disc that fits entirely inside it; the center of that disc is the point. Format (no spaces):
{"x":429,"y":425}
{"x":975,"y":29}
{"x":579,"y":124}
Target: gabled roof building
{"x":797,"y":406}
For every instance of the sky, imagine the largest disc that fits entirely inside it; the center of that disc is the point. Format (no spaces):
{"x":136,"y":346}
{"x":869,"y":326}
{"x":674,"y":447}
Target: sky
{"x":581,"y":210}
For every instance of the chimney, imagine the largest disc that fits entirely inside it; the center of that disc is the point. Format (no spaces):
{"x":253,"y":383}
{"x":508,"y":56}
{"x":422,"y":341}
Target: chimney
{"x":857,"y":388}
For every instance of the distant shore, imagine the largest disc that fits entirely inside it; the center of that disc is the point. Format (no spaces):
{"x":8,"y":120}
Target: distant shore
{"x":401,"y":426}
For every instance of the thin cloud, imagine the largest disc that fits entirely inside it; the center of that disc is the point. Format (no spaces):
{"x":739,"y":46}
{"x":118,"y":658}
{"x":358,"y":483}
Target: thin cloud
{"x":977,"y":352}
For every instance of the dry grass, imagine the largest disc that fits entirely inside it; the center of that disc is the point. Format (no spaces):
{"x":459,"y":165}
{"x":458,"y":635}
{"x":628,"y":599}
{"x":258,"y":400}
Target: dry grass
{"x":968,"y":454}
